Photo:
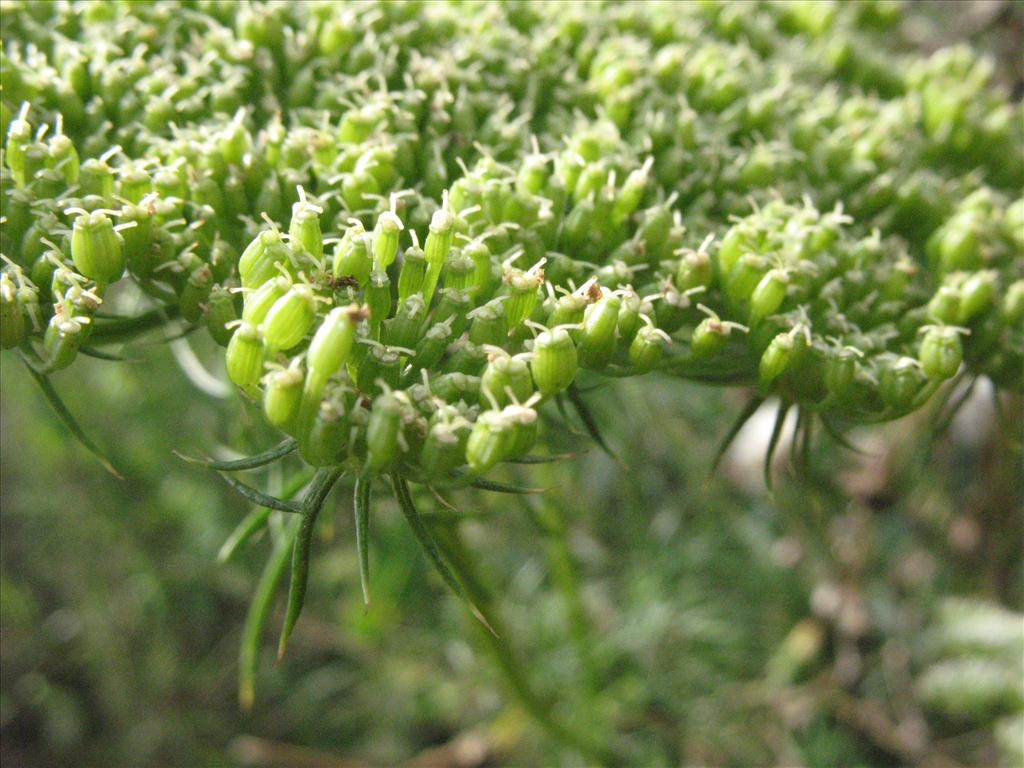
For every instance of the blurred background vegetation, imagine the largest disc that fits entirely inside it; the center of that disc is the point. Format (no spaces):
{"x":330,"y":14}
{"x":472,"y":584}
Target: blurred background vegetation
{"x":866,"y":612}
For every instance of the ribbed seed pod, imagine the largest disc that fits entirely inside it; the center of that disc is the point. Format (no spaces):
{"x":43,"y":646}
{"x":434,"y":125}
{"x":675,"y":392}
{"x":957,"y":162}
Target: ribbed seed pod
{"x":523,"y":419}
{"x":12,"y":318}
{"x":332,"y":343}
{"x":290,"y":318}
{"x":220,"y":311}
{"x":282,"y":396}
{"x":383,"y":433}
{"x":487,"y":323}
{"x":768,"y":294}
{"x":710,"y":337}
{"x":195,"y":293}
{"x":304,"y":228}
{"x":95,"y":177}
{"x":522,"y":289}
{"x":352,"y":258}
{"x":484,"y":280}
{"x":458,"y":272}
{"x":378,"y":297}
{"x":944,"y":306}
{"x":506,"y":379}
{"x":776,"y":359}
{"x":977,"y":294}
{"x":457,"y":387}
{"x":648,"y":347}
{"x":134,"y":184}
{"x":414,"y":269}
{"x":64,"y":158}
{"x":244,"y":357}
{"x":436,"y":248}
{"x":138,"y":240}
{"x":63,"y":336}
{"x":431,"y":347}
{"x":632,"y":192}
{"x":96,"y":248}
{"x":489,"y":441}
{"x":941,"y":351}
{"x":444,"y":448}
{"x":631,"y":315}
{"x":404,"y":329}
{"x":19,"y":135}
{"x":385,"y":239}
{"x":257,"y":303}
{"x":453,"y":305}
{"x":841,"y":371}
{"x":263,"y":258}
{"x":555,"y":361}
{"x":598,"y":338}
{"x":381,"y":363}
{"x":328,"y":436}
{"x":465,"y":357}
{"x":900,"y":381}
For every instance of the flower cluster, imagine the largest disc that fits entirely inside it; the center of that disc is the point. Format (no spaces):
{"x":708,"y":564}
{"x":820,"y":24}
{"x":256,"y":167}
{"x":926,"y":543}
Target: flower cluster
{"x":410,"y":224}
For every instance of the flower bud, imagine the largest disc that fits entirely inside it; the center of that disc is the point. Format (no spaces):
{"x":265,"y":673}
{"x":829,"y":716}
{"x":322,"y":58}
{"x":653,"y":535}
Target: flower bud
{"x":290,"y":318}
{"x":96,"y":248}
{"x":941,"y":352}
{"x":555,"y":361}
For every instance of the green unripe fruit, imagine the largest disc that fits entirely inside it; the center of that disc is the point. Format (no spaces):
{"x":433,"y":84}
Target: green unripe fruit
{"x":944,"y":306}
{"x":244,"y":357}
{"x":257,"y":303}
{"x":19,"y":135}
{"x":630,"y":318}
{"x":507,"y":379}
{"x":776,"y":359}
{"x":138,"y":240}
{"x":304,"y":229}
{"x":96,"y":248}
{"x":647,"y":348}
{"x":597,"y":339}
{"x":900,"y":381}
{"x":282,"y":397}
{"x":695,"y":269}
{"x":135,"y":184}
{"x":383,"y":432}
{"x":457,"y":387}
{"x":458,"y":272}
{"x":431,"y":347}
{"x":555,"y":361}
{"x":977,"y":294}
{"x":1013,"y":303}
{"x":443,"y":450}
{"x":414,"y":269}
{"x":840,"y":371}
{"x":380,"y":364}
{"x":385,"y":239}
{"x":487,"y":324}
{"x":436,"y":248}
{"x":63,"y":336}
{"x":332,"y":343}
{"x":453,"y":305}
{"x":941,"y":352}
{"x":403,"y":330}
{"x":327,"y":439}
{"x":632,"y":192}
{"x":709,"y":338}
{"x":352,"y":258}
{"x":524,"y":429}
{"x":195,"y":292}
{"x":219,"y":313}
{"x":489,"y":442}
{"x":95,"y":177}
{"x":290,"y":318}
{"x":768,"y":295}
{"x":263,"y":258}
{"x":378,"y":297}
{"x":12,"y":319}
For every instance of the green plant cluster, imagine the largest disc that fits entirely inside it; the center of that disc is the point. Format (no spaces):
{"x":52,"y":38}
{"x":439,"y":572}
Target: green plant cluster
{"x":412,"y":224}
